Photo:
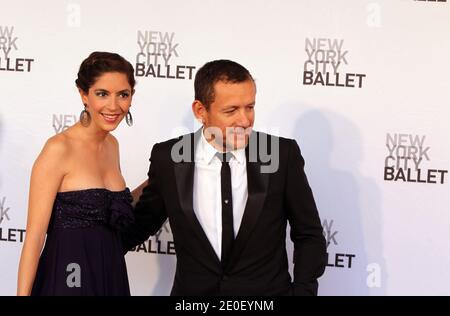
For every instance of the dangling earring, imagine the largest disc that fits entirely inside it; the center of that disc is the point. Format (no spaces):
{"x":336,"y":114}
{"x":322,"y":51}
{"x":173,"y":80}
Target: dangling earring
{"x":129,"y":118}
{"x":85,"y":117}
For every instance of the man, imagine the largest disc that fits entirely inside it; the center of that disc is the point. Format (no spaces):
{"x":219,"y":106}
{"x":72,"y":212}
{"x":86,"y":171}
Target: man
{"x":227,"y":206}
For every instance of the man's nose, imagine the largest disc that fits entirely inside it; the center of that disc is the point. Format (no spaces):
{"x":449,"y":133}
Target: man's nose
{"x":244,"y":119}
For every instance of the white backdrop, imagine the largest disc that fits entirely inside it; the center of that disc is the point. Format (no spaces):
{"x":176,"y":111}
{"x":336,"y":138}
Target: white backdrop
{"x":387,"y":234}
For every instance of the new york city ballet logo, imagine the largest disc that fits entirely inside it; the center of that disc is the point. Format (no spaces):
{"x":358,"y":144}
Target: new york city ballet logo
{"x":158,"y":57}
{"x":407,"y":158}
{"x":8,"y":234}
{"x":61,"y":122}
{"x":10,"y":61}
{"x":326,"y":60}
{"x":336,"y":259}
{"x":162,"y":243}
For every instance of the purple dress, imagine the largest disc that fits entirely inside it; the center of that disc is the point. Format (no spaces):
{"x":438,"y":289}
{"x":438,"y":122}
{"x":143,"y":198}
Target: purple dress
{"x":83,"y":253}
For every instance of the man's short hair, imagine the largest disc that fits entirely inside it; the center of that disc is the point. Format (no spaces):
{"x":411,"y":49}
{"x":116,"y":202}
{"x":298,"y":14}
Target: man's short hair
{"x":214,"y":71}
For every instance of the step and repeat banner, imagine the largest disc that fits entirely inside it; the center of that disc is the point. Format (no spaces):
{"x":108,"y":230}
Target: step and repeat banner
{"x":363,"y":86}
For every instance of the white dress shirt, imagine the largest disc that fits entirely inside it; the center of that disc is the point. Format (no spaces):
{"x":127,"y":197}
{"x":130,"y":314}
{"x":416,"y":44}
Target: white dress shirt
{"x":207,"y":191}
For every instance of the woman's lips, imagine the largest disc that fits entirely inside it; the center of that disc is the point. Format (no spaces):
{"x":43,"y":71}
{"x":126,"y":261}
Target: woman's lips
{"x":110,"y":118}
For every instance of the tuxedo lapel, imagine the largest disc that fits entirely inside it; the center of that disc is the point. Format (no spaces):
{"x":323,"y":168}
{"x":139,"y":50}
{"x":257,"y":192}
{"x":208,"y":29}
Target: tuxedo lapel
{"x":257,"y":184}
{"x":184,"y":177}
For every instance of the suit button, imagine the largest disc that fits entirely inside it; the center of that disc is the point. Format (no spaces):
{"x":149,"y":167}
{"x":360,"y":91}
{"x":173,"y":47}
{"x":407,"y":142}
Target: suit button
{"x":225,"y":277}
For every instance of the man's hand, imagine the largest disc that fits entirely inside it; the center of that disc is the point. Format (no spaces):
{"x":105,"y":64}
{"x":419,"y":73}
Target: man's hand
{"x":136,"y":193}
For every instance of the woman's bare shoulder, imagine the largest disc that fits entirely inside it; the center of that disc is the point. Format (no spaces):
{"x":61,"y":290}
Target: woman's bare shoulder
{"x":54,"y":151}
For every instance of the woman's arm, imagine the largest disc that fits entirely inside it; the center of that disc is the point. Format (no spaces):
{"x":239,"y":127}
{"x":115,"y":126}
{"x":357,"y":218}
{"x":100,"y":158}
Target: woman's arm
{"x":46,"y":177}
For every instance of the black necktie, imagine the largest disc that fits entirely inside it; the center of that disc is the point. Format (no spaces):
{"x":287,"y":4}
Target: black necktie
{"x":227,"y":207}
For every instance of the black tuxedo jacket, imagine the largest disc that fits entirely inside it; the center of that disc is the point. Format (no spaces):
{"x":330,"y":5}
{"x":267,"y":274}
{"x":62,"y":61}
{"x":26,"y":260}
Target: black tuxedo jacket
{"x":258,"y":263}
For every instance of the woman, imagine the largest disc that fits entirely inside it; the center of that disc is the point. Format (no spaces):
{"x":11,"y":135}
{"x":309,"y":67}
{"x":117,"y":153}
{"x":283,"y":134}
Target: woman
{"x":78,"y":196}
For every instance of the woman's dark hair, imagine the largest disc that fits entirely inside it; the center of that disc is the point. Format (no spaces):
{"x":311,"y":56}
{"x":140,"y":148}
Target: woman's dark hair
{"x":99,"y":63}
{"x":212,"y":72}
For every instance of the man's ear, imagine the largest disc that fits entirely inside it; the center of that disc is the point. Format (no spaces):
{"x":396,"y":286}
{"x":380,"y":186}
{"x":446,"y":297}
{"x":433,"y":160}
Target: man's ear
{"x":199,"y":110}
